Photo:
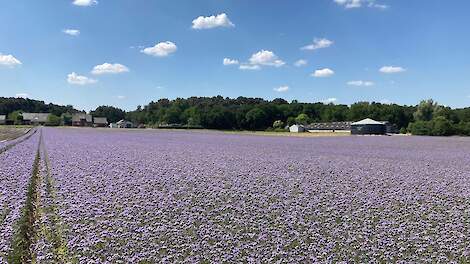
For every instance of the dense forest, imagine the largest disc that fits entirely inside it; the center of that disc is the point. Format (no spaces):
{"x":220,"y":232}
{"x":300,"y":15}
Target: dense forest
{"x":427,"y":118}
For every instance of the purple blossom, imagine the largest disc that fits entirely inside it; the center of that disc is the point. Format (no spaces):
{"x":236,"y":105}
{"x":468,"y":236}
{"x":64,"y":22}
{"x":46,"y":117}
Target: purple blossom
{"x":164,"y":197}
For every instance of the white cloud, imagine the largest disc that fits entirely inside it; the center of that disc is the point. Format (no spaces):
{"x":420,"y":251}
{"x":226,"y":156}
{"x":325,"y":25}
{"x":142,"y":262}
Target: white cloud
{"x":85,"y":2}
{"x":108,"y":68}
{"x":330,"y":100}
{"x":121,"y":97}
{"x":71,"y":32}
{"x":76,"y":79}
{"x":385,"y":101}
{"x":318,"y":44}
{"x":161,"y":49}
{"x":22,"y":95}
{"x":9,"y":60}
{"x":282,"y":89}
{"x":249,"y":67}
{"x":221,"y":20}
{"x":392,"y":69}
{"x":300,"y":63}
{"x":348,"y":4}
{"x":361,"y":83}
{"x":228,"y":61}
{"x":322,"y":73}
{"x":266,"y":58}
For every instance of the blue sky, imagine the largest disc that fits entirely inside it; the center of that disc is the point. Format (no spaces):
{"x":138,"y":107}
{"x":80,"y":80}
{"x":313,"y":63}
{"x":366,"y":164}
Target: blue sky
{"x":127,"y":53}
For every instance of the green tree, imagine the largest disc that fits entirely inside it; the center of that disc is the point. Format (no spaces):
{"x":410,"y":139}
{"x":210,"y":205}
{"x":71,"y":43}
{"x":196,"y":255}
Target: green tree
{"x":441,"y":127}
{"x":172,"y":115}
{"x":302,"y":119}
{"x":421,"y":128}
{"x":66,"y":119}
{"x":256,"y":119}
{"x":112,"y":114}
{"x":16,"y":117}
{"x":426,"y":110}
{"x":191,"y":117}
{"x":53,"y":120}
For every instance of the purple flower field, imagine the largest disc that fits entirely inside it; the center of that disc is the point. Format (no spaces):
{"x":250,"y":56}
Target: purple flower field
{"x":210,"y":197}
{"x":15,"y":173}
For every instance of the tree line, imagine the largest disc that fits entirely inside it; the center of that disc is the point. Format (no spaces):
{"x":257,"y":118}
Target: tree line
{"x":242,"y":113}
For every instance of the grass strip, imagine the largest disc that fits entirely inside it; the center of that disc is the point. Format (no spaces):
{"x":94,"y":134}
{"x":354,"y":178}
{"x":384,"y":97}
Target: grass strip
{"x":58,"y":242}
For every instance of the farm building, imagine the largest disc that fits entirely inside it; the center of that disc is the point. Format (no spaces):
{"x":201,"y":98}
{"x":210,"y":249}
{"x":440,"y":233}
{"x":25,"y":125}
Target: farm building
{"x":390,"y":128}
{"x":329,"y":127}
{"x":35,"y":118}
{"x":124,"y":124}
{"x":100,"y":122}
{"x":3,"y":119}
{"x":297,"y":129}
{"x":82,"y":120}
{"x":368,"y":127}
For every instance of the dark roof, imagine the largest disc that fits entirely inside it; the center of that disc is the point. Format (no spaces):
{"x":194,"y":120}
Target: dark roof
{"x":82,"y":116}
{"x":330,"y":126}
{"x":35,"y":117}
{"x":100,"y":120}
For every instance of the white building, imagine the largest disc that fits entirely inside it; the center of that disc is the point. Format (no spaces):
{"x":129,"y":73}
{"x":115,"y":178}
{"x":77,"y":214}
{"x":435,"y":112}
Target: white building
{"x":125,"y":124}
{"x":297,"y":129}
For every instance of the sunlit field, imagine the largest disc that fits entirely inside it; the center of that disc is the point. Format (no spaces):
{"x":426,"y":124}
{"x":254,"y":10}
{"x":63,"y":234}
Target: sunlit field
{"x":95,"y":196}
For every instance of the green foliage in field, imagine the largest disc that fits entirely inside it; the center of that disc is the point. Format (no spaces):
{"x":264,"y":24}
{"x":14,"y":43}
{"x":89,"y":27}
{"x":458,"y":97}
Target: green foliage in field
{"x":53,"y":120}
{"x":431,"y":119}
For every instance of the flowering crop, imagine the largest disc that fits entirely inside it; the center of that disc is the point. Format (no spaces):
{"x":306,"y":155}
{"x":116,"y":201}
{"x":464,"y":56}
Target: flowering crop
{"x":163,"y":197}
{"x":16,"y":165}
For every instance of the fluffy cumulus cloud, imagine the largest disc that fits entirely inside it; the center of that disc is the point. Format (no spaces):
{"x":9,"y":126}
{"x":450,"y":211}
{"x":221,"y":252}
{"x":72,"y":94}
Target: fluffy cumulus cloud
{"x":361,"y":83}
{"x":221,"y":20}
{"x":76,"y":79}
{"x":321,"y":43}
{"x":161,"y":49}
{"x":281,"y":89}
{"x":391,"y":69}
{"x":348,"y":4}
{"x":9,"y":61}
{"x":266,"y":58}
{"x":330,"y":100}
{"x":323,"y":73}
{"x":228,"y":62}
{"x":85,"y":2}
{"x":71,"y":32}
{"x":300,"y":63}
{"x":109,"y":68}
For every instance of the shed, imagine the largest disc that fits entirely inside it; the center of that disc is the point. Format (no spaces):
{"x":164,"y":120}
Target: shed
{"x":82,"y":119}
{"x":329,"y":127}
{"x":35,"y":118}
{"x":124,"y":124}
{"x":368,"y":127}
{"x":3,"y":119}
{"x":100,"y":122}
{"x":297,"y":129}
